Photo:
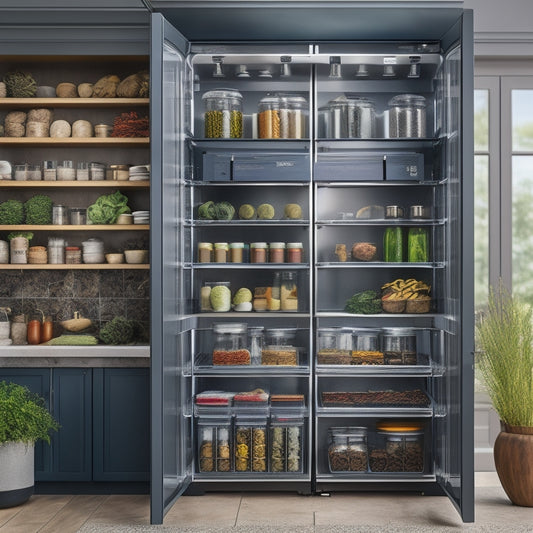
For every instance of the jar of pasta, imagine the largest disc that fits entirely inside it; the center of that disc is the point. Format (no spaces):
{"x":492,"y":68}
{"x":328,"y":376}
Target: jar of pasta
{"x":269,"y":117}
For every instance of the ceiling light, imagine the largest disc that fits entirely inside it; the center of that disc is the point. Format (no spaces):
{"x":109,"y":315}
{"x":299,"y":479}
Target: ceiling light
{"x":335,"y":67}
{"x":362,"y":71}
{"x":242,"y":71}
{"x":217,"y":72}
{"x":285,"y":67}
{"x":388,"y":71}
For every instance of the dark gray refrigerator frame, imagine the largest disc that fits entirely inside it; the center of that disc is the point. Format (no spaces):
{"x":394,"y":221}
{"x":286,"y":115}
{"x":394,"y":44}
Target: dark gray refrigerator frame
{"x":172,"y":455}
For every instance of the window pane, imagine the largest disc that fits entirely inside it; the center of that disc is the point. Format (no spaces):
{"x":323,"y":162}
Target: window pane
{"x":522,"y":104}
{"x":481,"y":230}
{"x":522,"y":253}
{"x":481,"y":120}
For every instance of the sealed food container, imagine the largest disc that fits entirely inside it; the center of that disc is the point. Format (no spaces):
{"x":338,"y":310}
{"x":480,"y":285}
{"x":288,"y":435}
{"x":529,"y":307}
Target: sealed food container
{"x":291,"y":401}
{"x":334,"y":346}
{"x":56,"y":250}
{"x":21,"y":172}
{"x":269,"y":117}
{"x":82,"y":171}
{"x":393,"y":211}
{"x":102,"y":130}
{"x":230,"y":344}
{"x":292,"y":116}
{"x":366,"y":347}
{"x":399,"y":447}
{"x":72,"y":255}
{"x":34,"y":173}
{"x":78,"y":216}
{"x":223,"y":114}
{"x":221,"y":252}
{"x":66,"y":171}
{"x":361,"y":116}
{"x":49,"y":170}
{"x":347,"y":449}
{"x":4,"y":252}
{"x":417,"y":245}
{"x":250,"y":444}
{"x":96,"y":171}
{"x":399,"y":346}
{"x":393,"y":245}
{"x":205,"y":252}
{"x":407,"y":116}
{"x":213,"y":401}
{"x":255,"y":400}
{"x":215,"y":452}
{"x":286,"y":443}
{"x":236,"y":252}
{"x":59,"y":214}
{"x":258,"y":252}
{"x":294,"y":252}
{"x":289,"y":292}
{"x":279,"y":347}
{"x":255,"y":339}
{"x":215,"y":296}
{"x":117,"y":173}
{"x":273,"y":294}
{"x":276,"y":252}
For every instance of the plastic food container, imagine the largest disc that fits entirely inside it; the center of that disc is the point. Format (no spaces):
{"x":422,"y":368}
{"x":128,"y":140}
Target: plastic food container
{"x":289,"y":292}
{"x":352,"y":117}
{"x":366,"y":347}
{"x":82,"y":171}
{"x":399,"y":447}
{"x":334,"y":346}
{"x":255,"y":400}
{"x":215,"y":446}
{"x":59,"y":214}
{"x":399,"y":346}
{"x":286,"y":443}
{"x":407,"y":116}
{"x":56,"y":250}
{"x":205,"y":252}
{"x":255,"y":339}
{"x":348,"y":449}
{"x":230,"y":344}
{"x":66,"y":171}
{"x":214,"y":399}
{"x":279,"y":348}
{"x":78,"y":216}
{"x":49,"y":170}
{"x":96,"y":171}
{"x":250,"y":444}
{"x":223,"y":114}
{"x":269,"y":117}
{"x":118,"y":173}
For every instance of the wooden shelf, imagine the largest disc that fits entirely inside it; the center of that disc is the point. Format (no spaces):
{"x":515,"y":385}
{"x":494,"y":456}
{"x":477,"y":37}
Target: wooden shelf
{"x":83,"y":266}
{"x":71,"y":227}
{"x":76,"y":141}
{"x":12,"y":184}
{"x":28,"y":103}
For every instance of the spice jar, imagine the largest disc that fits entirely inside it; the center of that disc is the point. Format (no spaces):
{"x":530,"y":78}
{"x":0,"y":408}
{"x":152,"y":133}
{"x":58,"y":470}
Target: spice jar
{"x":236,"y":250}
{"x":407,"y":116}
{"x":230,"y":344}
{"x":258,"y":252}
{"x":59,"y":214}
{"x":66,"y":171}
{"x":289,"y":292}
{"x":277,"y":252}
{"x":223,"y":114}
{"x":399,"y":346}
{"x":72,"y":255}
{"x":348,"y":450}
{"x":221,"y":252}
{"x":205,"y":252}
{"x":269,"y":117}
{"x":294,"y":252}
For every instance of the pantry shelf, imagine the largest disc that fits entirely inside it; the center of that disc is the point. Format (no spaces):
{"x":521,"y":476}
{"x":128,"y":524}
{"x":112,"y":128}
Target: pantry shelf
{"x":76,"y":141}
{"x":29,"y":103}
{"x":12,"y":184}
{"x":82,"y":266}
{"x":71,"y":227}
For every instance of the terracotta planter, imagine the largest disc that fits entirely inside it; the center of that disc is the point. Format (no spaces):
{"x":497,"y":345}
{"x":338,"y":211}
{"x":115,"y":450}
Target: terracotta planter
{"x":513,"y":455}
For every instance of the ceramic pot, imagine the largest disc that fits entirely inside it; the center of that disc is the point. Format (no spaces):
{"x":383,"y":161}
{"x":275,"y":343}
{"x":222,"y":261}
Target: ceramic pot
{"x":513,"y":456}
{"x":16,"y":473}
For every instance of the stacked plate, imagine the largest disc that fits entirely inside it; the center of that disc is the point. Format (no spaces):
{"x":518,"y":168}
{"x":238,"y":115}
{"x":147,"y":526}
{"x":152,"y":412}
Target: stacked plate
{"x":140,"y":173}
{"x":141,"y":217}
{"x":93,"y":251}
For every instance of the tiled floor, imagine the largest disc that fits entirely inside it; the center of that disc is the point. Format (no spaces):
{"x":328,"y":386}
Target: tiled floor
{"x":66,"y":514}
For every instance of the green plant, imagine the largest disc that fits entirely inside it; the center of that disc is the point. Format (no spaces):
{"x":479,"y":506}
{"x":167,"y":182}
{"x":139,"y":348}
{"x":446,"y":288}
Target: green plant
{"x":120,"y":330}
{"x":365,"y":303}
{"x":23,"y":415}
{"x":20,"y":84}
{"x":39,"y":210}
{"x":26,"y":234}
{"x":505,"y":338}
{"x":11,"y":212}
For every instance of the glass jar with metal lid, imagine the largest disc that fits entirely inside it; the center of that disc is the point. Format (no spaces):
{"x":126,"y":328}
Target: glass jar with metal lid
{"x":294,"y":252}
{"x":334,"y":346}
{"x":361,"y":117}
{"x":236,"y":250}
{"x":276,"y":252}
{"x":399,"y":346}
{"x":279,"y":347}
{"x":407,"y":116}
{"x":293,"y":111}
{"x":230,"y":345}
{"x":348,"y":449}
{"x":223,"y":114}
{"x":221,"y":252}
{"x":258,"y":252}
{"x":269,"y":117}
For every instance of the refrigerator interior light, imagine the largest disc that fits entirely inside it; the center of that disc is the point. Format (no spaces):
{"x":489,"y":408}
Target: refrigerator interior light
{"x":362,"y":71}
{"x":388,"y":71}
{"x":242,"y":71}
{"x":265,"y":73}
{"x":335,"y":67}
{"x":414,"y":71}
{"x":218,"y":72}
{"x":285,"y":67}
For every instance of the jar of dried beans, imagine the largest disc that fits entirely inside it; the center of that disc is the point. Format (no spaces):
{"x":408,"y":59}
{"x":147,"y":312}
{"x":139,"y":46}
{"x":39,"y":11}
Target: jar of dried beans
{"x":223,"y":114}
{"x":348,"y":450}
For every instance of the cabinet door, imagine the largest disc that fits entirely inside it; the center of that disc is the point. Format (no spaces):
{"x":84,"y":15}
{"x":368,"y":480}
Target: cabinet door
{"x":121,"y":424}
{"x":71,"y":445}
{"x":38,"y":381}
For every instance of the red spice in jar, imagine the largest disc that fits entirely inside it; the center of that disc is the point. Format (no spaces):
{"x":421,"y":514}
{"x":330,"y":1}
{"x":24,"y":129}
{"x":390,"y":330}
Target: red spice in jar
{"x":277,"y":252}
{"x":294,"y":252}
{"x":231,"y":357}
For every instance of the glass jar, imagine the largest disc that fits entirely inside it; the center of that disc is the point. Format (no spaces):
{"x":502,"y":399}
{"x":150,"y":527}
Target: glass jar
{"x":292,"y":114}
{"x":348,"y":449}
{"x":399,"y":346}
{"x":255,"y":336}
{"x":273,"y":298}
{"x":221,"y":252}
{"x":223,"y":114}
{"x":82,"y":171}
{"x":66,"y":171}
{"x":276,"y":252}
{"x":334,"y":346}
{"x":78,"y":216}
{"x":205,"y":252}
{"x":279,"y":347}
{"x":269,"y":117}
{"x":219,"y":301}
{"x":56,"y":250}
{"x":34,"y":173}
{"x":407,"y":116}
{"x":393,"y":211}
{"x":361,"y":117}
{"x":417,"y":245}
{"x":72,"y":255}
{"x":4,"y":252}
{"x":21,"y":172}
{"x":230,"y":345}
{"x":96,"y":171}
{"x":258,"y":252}
{"x":366,"y":347}
{"x":338,"y":118}
{"x":117,"y":173}
{"x":289,"y":292}
{"x":286,"y":443}
{"x":236,"y":250}
{"x":393,"y":245}
{"x":294,"y":252}
{"x":59,"y":214}
{"x":49,"y":170}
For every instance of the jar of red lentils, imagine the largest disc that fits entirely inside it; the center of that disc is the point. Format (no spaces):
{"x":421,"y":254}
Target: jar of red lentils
{"x":294,"y":252}
{"x":258,"y":252}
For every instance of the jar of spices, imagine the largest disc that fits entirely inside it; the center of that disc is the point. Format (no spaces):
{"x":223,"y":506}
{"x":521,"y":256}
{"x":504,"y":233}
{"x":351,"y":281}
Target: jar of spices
{"x":289,"y":292}
{"x":258,"y":252}
{"x":294,"y":252}
{"x":72,"y":255}
{"x":236,"y":250}
{"x":223,"y":114}
{"x":221,"y":252}
{"x":230,"y":344}
{"x":277,"y":252}
{"x":59,"y":214}
{"x":269,"y":117}
{"x":205,"y":252}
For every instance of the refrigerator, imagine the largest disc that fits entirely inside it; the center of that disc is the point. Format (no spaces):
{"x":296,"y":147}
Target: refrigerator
{"x":316,"y":335}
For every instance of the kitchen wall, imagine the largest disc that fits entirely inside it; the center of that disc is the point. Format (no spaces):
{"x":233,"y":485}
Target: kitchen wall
{"x":98,"y":295}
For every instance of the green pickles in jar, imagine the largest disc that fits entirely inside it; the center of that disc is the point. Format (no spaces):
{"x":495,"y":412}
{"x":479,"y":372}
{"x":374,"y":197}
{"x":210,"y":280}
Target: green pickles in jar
{"x":393,"y":245}
{"x":418,"y":245}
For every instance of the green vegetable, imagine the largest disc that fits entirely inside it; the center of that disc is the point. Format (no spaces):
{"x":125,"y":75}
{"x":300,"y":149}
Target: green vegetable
{"x":293,"y":211}
{"x":265,"y":211}
{"x":393,"y":245}
{"x":417,"y":248}
{"x":207,"y":211}
{"x":120,"y":330}
{"x":246,"y":212}
{"x":364,"y":303}
{"x":26,"y":234}
{"x":72,"y":340}
{"x":39,"y":210}
{"x":20,"y":84}
{"x":220,"y":298}
{"x":224,"y":211}
{"x":11,"y":212}
{"x":242,"y":295}
{"x":108,"y":207}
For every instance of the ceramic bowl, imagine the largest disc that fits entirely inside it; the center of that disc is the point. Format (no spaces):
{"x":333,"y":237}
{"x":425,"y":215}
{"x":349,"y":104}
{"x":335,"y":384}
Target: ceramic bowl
{"x":136,"y":256}
{"x":124,"y":219}
{"x":114,"y":259}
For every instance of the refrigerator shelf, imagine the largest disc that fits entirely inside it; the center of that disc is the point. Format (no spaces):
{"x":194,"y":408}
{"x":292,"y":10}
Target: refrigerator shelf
{"x":247,"y":223}
{"x":340,"y":314}
{"x":239,"y":477}
{"x":375,"y":370}
{"x":198,"y":183}
{"x":370,"y":477}
{"x":381,"y":222}
{"x":381,"y":142}
{"x":391,"y":412}
{"x":248,"y":266}
{"x":378,"y":264}
{"x":253,"y":144}
{"x":250,"y":370}
{"x":384,"y":183}
{"x":252,"y":314}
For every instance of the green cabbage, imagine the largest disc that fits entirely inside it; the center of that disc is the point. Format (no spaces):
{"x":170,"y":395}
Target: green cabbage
{"x":207,"y":211}
{"x":242,"y":295}
{"x":108,"y":207}
{"x":224,"y":211}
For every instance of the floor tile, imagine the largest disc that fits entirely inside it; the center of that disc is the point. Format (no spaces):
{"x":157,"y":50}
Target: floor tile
{"x":74,"y":514}
{"x":215,"y":509}
{"x":123,"y":509}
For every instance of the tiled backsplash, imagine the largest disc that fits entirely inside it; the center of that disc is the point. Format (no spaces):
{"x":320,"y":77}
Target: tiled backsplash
{"x":98,"y":295}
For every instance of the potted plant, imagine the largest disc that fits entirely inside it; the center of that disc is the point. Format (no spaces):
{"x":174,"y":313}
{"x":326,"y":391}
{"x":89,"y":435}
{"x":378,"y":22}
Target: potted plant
{"x":505,"y":339}
{"x":24,"y":419}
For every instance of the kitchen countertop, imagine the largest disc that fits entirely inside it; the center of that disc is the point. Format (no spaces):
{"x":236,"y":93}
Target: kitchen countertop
{"x":74,"y":356}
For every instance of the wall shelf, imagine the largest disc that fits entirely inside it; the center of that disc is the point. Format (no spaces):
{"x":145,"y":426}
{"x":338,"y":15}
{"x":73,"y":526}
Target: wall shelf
{"x":82,"y":266}
{"x":72,"y":227}
{"x":76,"y":141}
{"x":29,"y":103}
{"x":12,"y":184}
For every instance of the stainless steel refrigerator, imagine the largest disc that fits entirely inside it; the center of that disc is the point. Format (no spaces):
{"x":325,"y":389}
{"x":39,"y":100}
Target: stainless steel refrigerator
{"x":342,"y":136}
